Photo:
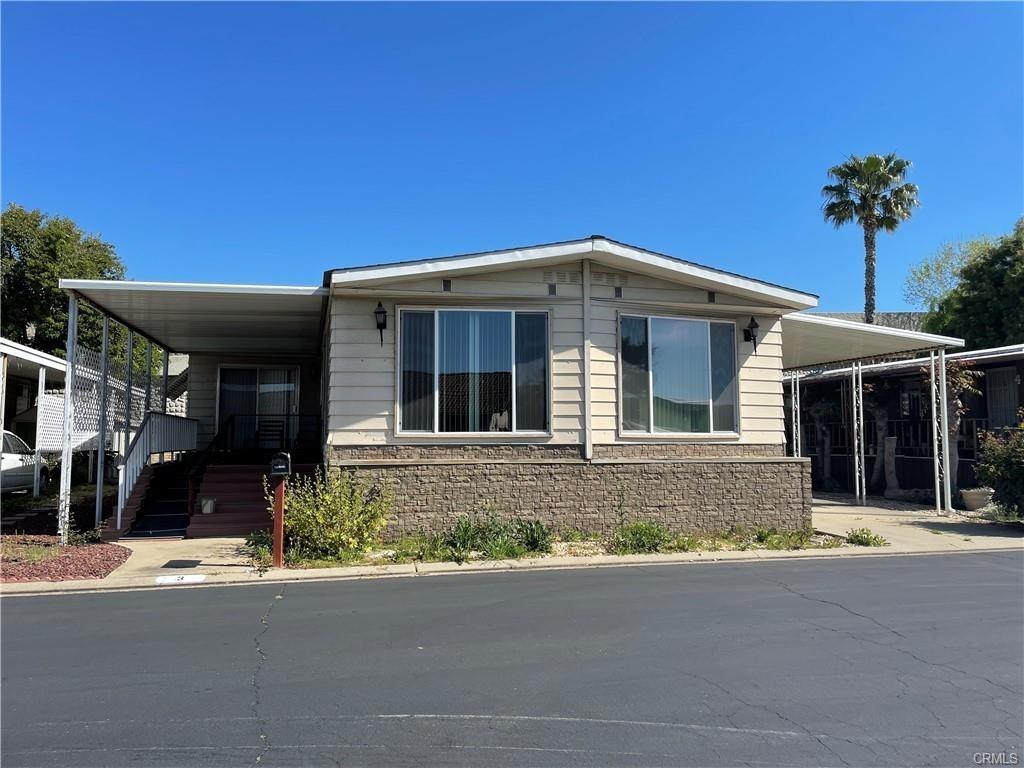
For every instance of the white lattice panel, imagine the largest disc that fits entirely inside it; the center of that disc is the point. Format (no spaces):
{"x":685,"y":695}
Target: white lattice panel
{"x":86,"y":395}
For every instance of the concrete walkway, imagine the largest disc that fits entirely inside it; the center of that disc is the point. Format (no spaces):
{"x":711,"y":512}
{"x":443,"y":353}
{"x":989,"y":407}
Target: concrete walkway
{"x":911,"y":529}
{"x":207,"y":562}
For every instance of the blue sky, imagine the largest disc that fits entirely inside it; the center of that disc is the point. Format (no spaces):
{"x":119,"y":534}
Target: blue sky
{"x":268,"y":142}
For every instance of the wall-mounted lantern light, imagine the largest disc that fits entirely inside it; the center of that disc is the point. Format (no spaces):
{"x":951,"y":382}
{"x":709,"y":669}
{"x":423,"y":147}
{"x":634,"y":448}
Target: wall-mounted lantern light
{"x":381,"y":316}
{"x":750,"y":333}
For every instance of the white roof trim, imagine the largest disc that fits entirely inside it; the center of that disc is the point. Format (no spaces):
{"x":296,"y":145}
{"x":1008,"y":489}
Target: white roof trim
{"x":926,"y":339}
{"x":687,"y":269}
{"x":34,"y":356}
{"x":133,"y":285}
{"x":543,"y":254}
{"x":977,"y":355}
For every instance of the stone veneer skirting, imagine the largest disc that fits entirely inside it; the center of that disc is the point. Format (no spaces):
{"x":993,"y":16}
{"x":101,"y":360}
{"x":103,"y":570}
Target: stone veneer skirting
{"x":690,"y":487}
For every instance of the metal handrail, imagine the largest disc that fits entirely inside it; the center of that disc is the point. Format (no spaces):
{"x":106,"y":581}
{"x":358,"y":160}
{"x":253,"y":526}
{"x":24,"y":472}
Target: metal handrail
{"x":158,"y":433}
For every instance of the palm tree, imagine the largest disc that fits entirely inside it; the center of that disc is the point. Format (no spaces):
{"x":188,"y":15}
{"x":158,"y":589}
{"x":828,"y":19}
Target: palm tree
{"x":873,"y":190}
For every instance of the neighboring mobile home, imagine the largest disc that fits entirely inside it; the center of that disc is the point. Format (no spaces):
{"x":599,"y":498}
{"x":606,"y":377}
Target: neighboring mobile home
{"x":579,"y":382}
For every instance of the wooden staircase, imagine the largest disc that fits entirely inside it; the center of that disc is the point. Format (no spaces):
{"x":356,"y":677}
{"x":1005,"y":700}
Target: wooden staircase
{"x":239,"y":505}
{"x":109,"y":530}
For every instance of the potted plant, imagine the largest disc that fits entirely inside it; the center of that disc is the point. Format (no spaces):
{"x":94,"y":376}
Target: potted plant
{"x":976,"y":498}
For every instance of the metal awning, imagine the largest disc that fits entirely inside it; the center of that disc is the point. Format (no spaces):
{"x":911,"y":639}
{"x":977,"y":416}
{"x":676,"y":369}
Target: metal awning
{"x":809,"y":341}
{"x":27,"y":362}
{"x":212,"y":318}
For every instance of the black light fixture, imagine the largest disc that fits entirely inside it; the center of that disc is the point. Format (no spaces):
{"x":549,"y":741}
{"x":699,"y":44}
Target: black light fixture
{"x":750,"y":333}
{"x":381,"y":316}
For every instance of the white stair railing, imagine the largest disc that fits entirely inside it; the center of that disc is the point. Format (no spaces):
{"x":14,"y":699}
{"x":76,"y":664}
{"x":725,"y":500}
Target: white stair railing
{"x":158,"y":433}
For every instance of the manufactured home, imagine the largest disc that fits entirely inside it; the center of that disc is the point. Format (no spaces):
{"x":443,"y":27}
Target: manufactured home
{"x":579,"y":382}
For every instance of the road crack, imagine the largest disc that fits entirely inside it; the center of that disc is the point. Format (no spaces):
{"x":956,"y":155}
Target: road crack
{"x":254,"y":680}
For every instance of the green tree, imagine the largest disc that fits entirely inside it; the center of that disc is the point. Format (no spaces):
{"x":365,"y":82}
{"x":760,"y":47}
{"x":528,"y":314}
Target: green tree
{"x":986,"y":308}
{"x":37,"y":251}
{"x":872,"y":191}
{"x":935,"y":276}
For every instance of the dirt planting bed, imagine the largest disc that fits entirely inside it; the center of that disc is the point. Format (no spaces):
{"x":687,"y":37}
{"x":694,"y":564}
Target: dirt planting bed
{"x":42,"y":558}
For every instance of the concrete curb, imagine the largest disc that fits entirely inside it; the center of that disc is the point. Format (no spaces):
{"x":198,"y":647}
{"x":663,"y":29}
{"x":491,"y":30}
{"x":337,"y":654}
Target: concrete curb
{"x":349,"y":573}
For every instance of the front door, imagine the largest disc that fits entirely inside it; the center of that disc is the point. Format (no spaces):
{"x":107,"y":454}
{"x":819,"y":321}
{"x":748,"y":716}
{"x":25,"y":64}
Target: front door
{"x":258,"y":406}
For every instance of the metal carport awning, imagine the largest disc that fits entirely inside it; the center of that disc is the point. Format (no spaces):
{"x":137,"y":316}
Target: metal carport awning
{"x":212,"y":318}
{"x":193,"y":318}
{"x":814,"y":342}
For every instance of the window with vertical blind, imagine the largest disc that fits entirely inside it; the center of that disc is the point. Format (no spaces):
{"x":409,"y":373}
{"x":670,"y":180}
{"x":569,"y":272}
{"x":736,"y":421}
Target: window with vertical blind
{"x":465,"y":371}
{"x":678,"y":375}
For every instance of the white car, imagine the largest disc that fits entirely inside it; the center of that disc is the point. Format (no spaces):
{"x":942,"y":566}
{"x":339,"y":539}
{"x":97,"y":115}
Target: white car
{"x":18,"y":465}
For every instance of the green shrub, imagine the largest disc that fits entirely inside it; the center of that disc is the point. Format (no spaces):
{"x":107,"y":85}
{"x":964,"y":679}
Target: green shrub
{"x":495,"y":537}
{"x":534,"y":535}
{"x":865,"y":537}
{"x":1001,"y":467}
{"x":639,"y":537}
{"x":685,"y":544}
{"x":332,"y":515}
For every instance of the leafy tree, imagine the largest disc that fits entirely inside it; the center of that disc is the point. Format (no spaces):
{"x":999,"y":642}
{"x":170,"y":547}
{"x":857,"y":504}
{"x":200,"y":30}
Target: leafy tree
{"x":935,"y":276}
{"x":872,"y":191}
{"x":986,"y":308}
{"x":38,"y":250}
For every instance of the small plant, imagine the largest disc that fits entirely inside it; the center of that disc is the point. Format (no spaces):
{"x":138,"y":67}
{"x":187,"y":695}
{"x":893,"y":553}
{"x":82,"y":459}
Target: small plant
{"x":865,"y":537}
{"x":685,"y":544}
{"x":490,"y":535}
{"x":534,"y":535}
{"x":503,"y":546}
{"x":80,"y":538}
{"x":331,"y":515}
{"x":639,"y":537}
{"x":1001,"y":467}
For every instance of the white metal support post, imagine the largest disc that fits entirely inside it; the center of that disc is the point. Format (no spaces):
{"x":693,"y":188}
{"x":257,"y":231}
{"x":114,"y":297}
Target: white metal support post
{"x":149,"y":375}
{"x":947,"y":443}
{"x":860,"y":421}
{"x":64,"y":499}
{"x":38,"y":468}
{"x":121,"y":501}
{"x":101,"y":434}
{"x":936,"y":469}
{"x":855,"y":432}
{"x":800,"y":416}
{"x":3,"y":390}
{"x":163,"y":388}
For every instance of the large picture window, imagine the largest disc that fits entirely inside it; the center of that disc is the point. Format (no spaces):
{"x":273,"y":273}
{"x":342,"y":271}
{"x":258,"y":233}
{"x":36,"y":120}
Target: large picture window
{"x":678,"y":376}
{"x":473,"y":371}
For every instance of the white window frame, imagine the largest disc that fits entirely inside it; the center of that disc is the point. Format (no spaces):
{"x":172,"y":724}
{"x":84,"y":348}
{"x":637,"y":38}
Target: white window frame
{"x":436,"y":432}
{"x":650,"y":432}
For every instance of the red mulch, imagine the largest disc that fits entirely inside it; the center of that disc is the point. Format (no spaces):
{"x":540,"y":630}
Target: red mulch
{"x":89,"y":561}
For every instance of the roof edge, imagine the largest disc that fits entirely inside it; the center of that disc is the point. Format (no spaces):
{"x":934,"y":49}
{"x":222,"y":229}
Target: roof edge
{"x":568,"y":248}
{"x":72,"y":285}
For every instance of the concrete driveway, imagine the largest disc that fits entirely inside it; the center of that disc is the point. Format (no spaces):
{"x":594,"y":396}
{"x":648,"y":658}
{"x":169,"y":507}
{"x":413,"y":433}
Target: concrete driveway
{"x":911,"y":528}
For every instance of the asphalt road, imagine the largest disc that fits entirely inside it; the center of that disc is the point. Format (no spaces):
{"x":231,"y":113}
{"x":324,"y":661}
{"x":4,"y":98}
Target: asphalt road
{"x":878,"y":661}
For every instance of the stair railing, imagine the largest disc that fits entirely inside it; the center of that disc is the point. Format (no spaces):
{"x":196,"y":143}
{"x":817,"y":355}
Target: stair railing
{"x":158,"y":433}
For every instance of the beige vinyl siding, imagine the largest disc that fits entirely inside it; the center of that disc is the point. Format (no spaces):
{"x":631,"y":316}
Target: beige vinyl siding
{"x":760,"y":377}
{"x":519,"y":283}
{"x":361,"y":393}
